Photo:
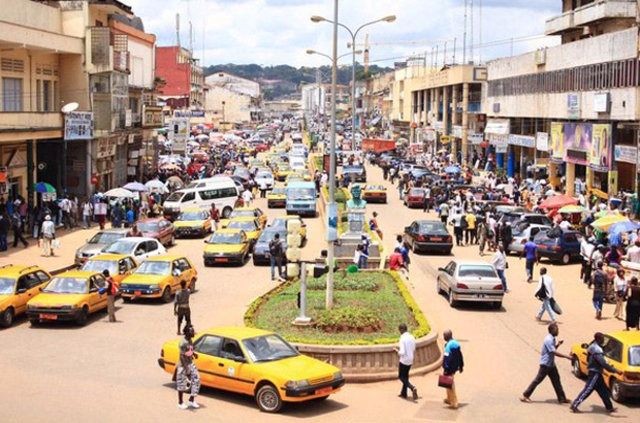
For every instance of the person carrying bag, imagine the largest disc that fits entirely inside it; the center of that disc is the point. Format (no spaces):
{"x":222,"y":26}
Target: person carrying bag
{"x":452,"y":362}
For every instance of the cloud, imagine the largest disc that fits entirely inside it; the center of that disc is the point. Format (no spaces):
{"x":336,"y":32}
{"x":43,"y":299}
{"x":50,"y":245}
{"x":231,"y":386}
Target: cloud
{"x":272,"y":32}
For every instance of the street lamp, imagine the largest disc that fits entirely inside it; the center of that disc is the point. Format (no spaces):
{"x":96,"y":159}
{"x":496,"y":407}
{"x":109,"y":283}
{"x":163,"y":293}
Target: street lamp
{"x":316,"y":19}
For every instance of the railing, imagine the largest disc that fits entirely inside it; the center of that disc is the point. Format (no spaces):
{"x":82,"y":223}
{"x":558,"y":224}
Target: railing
{"x":34,"y":120}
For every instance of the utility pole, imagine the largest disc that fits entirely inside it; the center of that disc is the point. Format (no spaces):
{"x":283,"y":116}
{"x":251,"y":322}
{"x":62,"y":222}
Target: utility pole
{"x":454,"y":49}
{"x":464,"y":36}
{"x":178,"y":29}
{"x":332,"y":207}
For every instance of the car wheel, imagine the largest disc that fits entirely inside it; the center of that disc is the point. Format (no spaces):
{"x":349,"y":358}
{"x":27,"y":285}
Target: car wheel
{"x":7,"y":318}
{"x":126,"y":299}
{"x":166,"y":295}
{"x":268,"y":399}
{"x":575,"y":367}
{"x":83,"y":316}
{"x":452,"y":302}
{"x":172,"y":241}
{"x":616,"y":391}
{"x":192,"y":286}
{"x":566,"y":258}
{"x":226,"y":212}
{"x":34,"y":321}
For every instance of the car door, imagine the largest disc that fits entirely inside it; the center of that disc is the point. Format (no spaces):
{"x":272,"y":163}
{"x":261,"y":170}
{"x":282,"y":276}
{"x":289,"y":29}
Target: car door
{"x":571,"y":243}
{"x":43,"y":279}
{"x":207,"y":349}
{"x":97,"y":301}
{"x":22,"y":294}
{"x":232,"y":366}
{"x":151,"y":248}
{"x":449,"y":275}
{"x":409,"y":234}
{"x":613,"y":350}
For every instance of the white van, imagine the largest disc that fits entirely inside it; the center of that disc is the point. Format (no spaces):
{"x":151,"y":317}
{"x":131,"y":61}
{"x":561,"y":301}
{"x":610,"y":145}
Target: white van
{"x":221,"y":191}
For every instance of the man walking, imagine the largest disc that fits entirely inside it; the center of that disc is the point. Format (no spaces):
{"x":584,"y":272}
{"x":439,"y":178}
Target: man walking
{"x":276,"y":252}
{"x":111,"y":295}
{"x":599,"y":280}
{"x":544,"y":292}
{"x":181,"y":307}
{"x":499,"y":261}
{"x":452,"y":362}
{"x":187,"y":377}
{"x":548,"y":366}
{"x":48,"y":235}
{"x":16,"y":226}
{"x":530,"y":253}
{"x":4,"y":231}
{"x":595,"y":364}
{"x":406,"y":349}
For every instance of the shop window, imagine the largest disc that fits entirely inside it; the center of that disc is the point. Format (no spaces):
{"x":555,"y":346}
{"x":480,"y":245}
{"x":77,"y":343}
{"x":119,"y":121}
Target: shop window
{"x":46,"y":96}
{"x":12,"y":94}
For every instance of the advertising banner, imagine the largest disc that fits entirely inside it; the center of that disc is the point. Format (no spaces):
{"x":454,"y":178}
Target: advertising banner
{"x":625,"y":153}
{"x":178,"y":133}
{"x":557,"y":142}
{"x":600,"y":159}
{"x":78,"y":126}
{"x":577,"y":143}
{"x":542,"y":141}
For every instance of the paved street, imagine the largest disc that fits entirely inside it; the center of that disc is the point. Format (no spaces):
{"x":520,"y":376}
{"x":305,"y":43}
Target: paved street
{"x":112,"y":367}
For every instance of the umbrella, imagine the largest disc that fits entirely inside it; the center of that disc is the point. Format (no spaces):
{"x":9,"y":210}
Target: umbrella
{"x":572,"y":208}
{"x":135,"y":186}
{"x":175,"y":182}
{"x":43,"y":187}
{"x":170,"y":166}
{"x":605,"y":222}
{"x":119,"y":193}
{"x":202,"y":137}
{"x":624,"y":226}
{"x":604,"y":213}
{"x":558,"y":201}
{"x":156,"y":185}
{"x":452,"y":169}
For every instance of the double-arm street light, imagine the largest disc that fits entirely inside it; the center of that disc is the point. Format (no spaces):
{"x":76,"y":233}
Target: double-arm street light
{"x":353,"y":34}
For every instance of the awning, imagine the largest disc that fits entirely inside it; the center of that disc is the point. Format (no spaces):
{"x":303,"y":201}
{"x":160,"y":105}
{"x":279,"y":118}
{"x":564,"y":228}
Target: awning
{"x":498,"y":126}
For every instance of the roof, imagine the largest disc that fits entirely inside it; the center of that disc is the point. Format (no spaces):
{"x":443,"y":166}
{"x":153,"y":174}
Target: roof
{"x":114,"y":231}
{"x":16,"y":269}
{"x":166,"y":257}
{"x":107,"y":257}
{"x":228,"y":231}
{"x":136,"y":239}
{"x":628,"y":337}
{"x":77,"y":274}
{"x":238,"y":332}
{"x":471,"y":262}
{"x":242,"y":219}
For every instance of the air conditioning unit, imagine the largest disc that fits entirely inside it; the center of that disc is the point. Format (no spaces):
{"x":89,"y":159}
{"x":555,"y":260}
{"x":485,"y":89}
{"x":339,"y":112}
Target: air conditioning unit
{"x":541,"y":56}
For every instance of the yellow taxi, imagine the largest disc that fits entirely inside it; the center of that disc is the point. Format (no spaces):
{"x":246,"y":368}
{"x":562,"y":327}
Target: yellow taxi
{"x":282,"y":172}
{"x":249,"y":225}
{"x":71,"y":295}
{"x":18,"y":284}
{"x":282,"y":221}
{"x":258,"y":363}
{"x":622,"y":351}
{"x":119,"y":265}
{"x":374,"y":193}
{"x":277,"y":198}
{"x":159,"y":277}
{"x":227,"y":246}
{"x":192,"y":222}
{"x":293,"y":177}
{"x":253,"y":212}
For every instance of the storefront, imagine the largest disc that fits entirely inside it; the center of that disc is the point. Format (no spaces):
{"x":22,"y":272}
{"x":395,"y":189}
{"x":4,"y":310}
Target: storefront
{"x":497,"y":134}
{"x":626,"y":159}
{"x":521,"y":154}
{"x":15,"y":162}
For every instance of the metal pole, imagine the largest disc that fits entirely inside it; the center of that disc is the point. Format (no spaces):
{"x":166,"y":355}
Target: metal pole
{"x":353,"y":93}
{"x":332,"y":152}
{"x":302,"y":318}
{"x":464,"y":36}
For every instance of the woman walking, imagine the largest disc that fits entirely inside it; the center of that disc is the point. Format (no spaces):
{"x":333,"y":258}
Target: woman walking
{"x":187,"y":377}
{"x":633,"y":304}
{"x":620,"y":286}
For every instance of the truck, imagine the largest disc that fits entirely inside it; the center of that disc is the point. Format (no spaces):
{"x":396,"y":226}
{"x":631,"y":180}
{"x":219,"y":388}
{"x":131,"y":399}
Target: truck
{"x":301,"y":198}
{"x":378,"y":145}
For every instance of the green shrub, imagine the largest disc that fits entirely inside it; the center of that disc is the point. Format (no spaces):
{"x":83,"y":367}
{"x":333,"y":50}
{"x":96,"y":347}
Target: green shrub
{"x":363,"y":281}
{"x":342,"y":319}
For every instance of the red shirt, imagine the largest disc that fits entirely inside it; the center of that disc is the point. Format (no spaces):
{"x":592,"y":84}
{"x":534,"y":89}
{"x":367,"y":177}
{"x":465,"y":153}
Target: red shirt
{"x":395,"y":261}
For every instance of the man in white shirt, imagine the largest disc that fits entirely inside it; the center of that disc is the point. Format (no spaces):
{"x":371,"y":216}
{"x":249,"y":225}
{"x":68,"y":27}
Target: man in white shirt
{"x":247,"y":197}
{"x":633,"y":253}
{"x":48,"y":235}
{"x":499,"y":261}
{"x":406,"y":349}
{"x":565,"y":224}
{"x":546,"y":294}
{"x":586,"y":250}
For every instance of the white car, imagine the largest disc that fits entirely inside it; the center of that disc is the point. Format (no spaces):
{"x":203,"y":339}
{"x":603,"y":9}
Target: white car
{"x":473,"y":281}
{"x":264,"y":177}
{"x":521,"y":233}
{"x":139,"y":248}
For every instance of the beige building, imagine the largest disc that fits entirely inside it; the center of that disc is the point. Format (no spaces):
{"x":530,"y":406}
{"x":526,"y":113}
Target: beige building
{"x":232,"y":100}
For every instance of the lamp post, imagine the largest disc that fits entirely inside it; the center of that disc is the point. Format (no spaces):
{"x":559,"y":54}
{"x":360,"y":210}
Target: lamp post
{"x":354,"y":34}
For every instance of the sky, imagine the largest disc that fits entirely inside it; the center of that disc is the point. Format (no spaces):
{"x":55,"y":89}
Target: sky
{"x":274,"y":32}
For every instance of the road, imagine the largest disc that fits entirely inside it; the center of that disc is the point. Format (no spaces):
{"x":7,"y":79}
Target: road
{"x":108,"y":372}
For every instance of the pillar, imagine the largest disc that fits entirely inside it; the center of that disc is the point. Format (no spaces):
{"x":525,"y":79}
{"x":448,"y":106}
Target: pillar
{"x":31,"y":172}
{"x":465,"y":122}
{"x":426,"y":109}
{"x":570,"y":179}
{"x":511,"y":161}
{"x":445,"y":118}
{"x":589,"y":179}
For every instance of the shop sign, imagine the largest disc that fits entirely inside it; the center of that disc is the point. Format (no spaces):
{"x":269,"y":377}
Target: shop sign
{"x":601,"y":102}
{"x":430,"y":135}
{"x":522,"y":140}
{"x":438,"y":126}
{"x":476,"y":138}
{"x":188,"y":113}
{"x":625,"y":153}
{"x":600,"y":148}
{"x":78,"y":126}
{"x":573,"y":105}
{"x":577,"y":140}
{"x":542,"y":141}
{"x":500,"y":142}
{"x":178,"y":133}
{"x":498,"y":126}
{"x":152,"y":117}
{"x":456,"y":131}
{"x":127,"y":118}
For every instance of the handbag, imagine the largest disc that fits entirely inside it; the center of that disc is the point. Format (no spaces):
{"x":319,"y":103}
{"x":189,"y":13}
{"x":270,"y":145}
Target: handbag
{"x":445,"y":381}
{"x":55,"y":244}
{"x":541,"y":294}
{"x":555,"y":306}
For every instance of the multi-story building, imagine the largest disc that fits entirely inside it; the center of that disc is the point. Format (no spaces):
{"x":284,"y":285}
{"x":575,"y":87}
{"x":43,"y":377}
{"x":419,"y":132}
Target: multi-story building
{"x":573,"y":107}
{"x":377,"y":100}
{"x":182,"y":78}
{"x":232,"y":99}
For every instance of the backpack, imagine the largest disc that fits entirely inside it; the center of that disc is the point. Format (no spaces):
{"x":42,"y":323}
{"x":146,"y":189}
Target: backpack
{"x":275,"y":248}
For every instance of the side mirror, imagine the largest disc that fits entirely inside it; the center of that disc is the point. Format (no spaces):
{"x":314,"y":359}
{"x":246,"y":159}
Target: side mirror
{"x":239,"y":359}
{"x":22,"y":290}
{"x":441,"y":269}
{"x":139,"y":252}
{"x":407,"y":228}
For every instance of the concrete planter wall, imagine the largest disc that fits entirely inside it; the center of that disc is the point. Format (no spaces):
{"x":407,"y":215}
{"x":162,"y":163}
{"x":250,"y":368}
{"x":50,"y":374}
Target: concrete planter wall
{"x":372,"y":363}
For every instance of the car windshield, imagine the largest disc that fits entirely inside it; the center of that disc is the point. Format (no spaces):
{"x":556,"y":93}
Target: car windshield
{"x":268,"y":348}
{"x":247,"y":225}
{"x":120,"y":247}
{"x":100,"y":265}
{"x":268,"y":235}
{"x":225,"y":238}
{"x":281,"y":222}
{"x":149,"y":226}
{"x":479,"y":271}
{"x":634,"y":356}
{"x":242,"y":213}
{"x":66,"y":286}
{"x":266,"y":175}
{"x":374,"y":188}
{"x":433,"y":228}
{"x":105,"y":237}
{"x":174,"y":196}
{"x":7,"y":286}
{"x":277,"y":191}
{"x":301,"y":193}
{"x":416,"y":191}
{"x":193,"y":215}
{"x":154,"y":268}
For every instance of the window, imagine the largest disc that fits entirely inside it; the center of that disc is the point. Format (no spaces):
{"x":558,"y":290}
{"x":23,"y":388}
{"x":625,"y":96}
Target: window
{"x":43,"y":277}
{"x":12,"y":94}
{"x":98,"y":281}
{"x":39,"y":95}
{"x":231,"y":349}
{"x":190,"y":196}
{"x":209,"y":345}
{"x":151,"y":246}
{"x":209,"y":194}
{"x":46,"y":96}
{"x":612,"y":349}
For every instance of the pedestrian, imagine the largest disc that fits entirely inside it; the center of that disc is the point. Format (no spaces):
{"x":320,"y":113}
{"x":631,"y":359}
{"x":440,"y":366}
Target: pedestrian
{"x":48,"y":233}
{"x":247,"y":196}
{"x":276,"y":251}
{"x":599,"y":281}
{"x":506,"y":235}
{"x":406,"y":260}
{"x":87,"y":209}
{"x":395,"y":260}
{"x":187,"y":377}
{"x":406,"y":350}
{"x":215,"y":216}
{"x":262,"y":186}
{"x":426,"y":201}
{"x":544,"y":292}
{"x":357,"y":254}
{"x":130,"y":216}
{"x":452,"y":362}
{"x":443,"y":212}
{"x":364,"y":257}
{"x":632,"y":311}
{"x":530,"y":252}
{"x":471,"y":233}
{"x":595,"y":364}
{"x":482,"y":237}
{"x":499,"y":261}
{"x":112,"y":291}
{"x":134,"y":231}
{"x":4,"y":231}
{"x":16,"y":226}
{"x":181,"y":307}
{"x":373,"y":225}
{"x":548,"y":366}
{"x":620,"y":286}
{"x":456,"y":222}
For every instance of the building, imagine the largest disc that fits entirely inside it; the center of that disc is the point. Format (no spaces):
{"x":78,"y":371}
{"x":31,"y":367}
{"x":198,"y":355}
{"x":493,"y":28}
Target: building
{"x":377,"y":100}
{"x":232,"y":99}
{"x":182,"y":78}
{"x":313,"y":99}
{"x":572,"y":108}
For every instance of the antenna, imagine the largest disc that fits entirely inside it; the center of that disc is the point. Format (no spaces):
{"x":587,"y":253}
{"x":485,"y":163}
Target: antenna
{"x":455,"y":39}
{"x":464,"y":36}
{"x":444,"y":60}
{"x":471,"y":32}
{"x":480,"y":31}
{"x":178,"y":29}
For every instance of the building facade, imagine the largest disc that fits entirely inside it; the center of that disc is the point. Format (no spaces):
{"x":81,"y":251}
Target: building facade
{"x":232,"y":99}
{"x":182,"y":79}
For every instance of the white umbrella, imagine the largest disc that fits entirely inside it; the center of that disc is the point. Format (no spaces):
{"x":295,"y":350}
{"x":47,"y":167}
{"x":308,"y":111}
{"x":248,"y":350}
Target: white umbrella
{"x":119,"y":193}
{"x":156,"y":185}
{"x":202,"y":137}
{"x":135,"y":186}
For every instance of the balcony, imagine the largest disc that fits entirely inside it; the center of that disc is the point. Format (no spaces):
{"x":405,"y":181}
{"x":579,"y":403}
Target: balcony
{"x":590,"y":13}
{"x":106,"y":51}
{"x":33,"y":121}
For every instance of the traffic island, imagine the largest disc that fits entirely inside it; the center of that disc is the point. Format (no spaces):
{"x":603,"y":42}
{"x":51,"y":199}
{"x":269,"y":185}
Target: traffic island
{"x":360,"y":333}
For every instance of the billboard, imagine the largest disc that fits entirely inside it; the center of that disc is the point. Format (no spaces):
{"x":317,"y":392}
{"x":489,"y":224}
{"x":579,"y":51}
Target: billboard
{"x":582,"y":143}
{"x":600,"y":159}
{"x":179,"y":133}
{"x":78,"y":126}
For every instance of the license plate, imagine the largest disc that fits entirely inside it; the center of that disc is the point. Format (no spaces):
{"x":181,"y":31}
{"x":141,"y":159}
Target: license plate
{"x":323,"y":391}
{"x":436,"y":239}
{"x":48,"y":317}
{"x":137,"y":293}
{"x":222,"y":260}
{"x":480,"y":295}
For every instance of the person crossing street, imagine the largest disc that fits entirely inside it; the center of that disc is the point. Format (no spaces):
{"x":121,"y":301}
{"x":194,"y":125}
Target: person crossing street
{"x":406,"y":350}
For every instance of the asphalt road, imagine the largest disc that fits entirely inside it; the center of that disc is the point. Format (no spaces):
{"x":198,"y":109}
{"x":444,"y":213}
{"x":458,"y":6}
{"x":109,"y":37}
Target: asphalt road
{"x":108,"y":372}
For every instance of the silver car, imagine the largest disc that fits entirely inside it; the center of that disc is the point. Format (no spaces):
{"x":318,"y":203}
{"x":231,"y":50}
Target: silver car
{"x":97,"y":243}
{"x":472,"y":281}
{"x":521,"y":233}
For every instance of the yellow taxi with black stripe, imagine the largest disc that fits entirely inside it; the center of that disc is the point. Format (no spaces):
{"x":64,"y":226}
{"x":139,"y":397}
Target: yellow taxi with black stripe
{"x":119,"y":265}
{"x":277,"y":198}
{"x":159,"y":277}
{"x":72,"y":295}
{"x":227,"y":246}
{"x":19,"y":284}
{"x":245,"y":211}
{"x":192,"y":222}
{"x":258,"y":363}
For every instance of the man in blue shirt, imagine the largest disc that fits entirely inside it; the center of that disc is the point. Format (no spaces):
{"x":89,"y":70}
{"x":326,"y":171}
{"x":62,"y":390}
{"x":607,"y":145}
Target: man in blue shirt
{"x":548,"y":366}
{"x":530,"y":253}
{"x":452,"y":362}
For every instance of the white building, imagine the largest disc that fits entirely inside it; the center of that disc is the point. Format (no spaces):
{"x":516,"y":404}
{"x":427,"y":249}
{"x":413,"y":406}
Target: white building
{"x":234,"y":83}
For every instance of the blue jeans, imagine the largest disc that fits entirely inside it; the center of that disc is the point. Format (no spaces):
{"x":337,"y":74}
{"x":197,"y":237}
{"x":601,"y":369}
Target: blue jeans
{"x":3,"y":242}
{"x":275,"y":261}
{"x":362,"y":262}
{"x":502,"y":278}
{"x":598,"y":302}
{"x":529,"y":266}
{"x":546,"y":306}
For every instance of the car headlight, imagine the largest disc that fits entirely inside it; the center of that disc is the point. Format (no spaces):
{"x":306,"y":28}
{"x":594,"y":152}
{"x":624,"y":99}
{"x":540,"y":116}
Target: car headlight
{"x":68,"y":307}
{"x":337,"y":375}
{"x":296,"y":384}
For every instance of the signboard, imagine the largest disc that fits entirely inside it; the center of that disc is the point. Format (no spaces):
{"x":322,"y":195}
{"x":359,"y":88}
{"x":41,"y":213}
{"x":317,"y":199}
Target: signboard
{"x":188,"y":113}
{"x":476,"y":138}
{"x":456,"y":131}
{"x":78,"y":126}
{"x":573,"y":106}
{"x":500,"y":142}
{"x":625,"y":153}
{"x":429,"y":135}
{"x":152,"y":117}
{"x":582,"y":143}
{"x":577,"y":141}
{"x":542,"y":141}
{"x":601,"y":102}
{"x":127,"y":118}
{"x":498,"y":126}
{"x":600,"y":148}
{"x":178,"y":133}
{"x":557,"y":142}
{"x":438,"y":126}
{"x":522,"y":140}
